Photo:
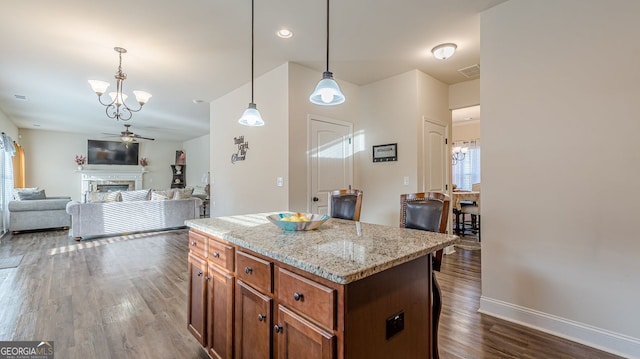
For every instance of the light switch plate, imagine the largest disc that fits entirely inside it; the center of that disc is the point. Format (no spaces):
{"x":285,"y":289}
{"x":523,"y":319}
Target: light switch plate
{"x":279,"y":181}
{"x":406,"y":180}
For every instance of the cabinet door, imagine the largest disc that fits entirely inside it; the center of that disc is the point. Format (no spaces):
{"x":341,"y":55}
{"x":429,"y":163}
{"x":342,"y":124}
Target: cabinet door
{"x":252,"y":323}
{"x":196,"y":311}
{"x":296,"y":337}
{"x":220,"y":313}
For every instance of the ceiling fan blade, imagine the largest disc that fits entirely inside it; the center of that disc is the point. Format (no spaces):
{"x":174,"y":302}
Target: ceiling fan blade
{"x":144,"y":138}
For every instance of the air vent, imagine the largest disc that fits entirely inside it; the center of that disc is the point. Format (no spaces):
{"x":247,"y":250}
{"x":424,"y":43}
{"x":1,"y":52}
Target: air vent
{"x":20,"y":97}
{"x":470,"y":71}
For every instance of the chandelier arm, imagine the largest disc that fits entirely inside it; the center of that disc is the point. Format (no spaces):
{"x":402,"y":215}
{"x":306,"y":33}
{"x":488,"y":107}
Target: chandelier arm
{"x":105,"y":104}
{"x":120,"y":91}
{"x":125,"y":114}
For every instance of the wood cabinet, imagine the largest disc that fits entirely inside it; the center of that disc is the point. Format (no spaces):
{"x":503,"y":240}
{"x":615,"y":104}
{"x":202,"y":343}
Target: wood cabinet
{"x":253,"y":323}
{"x":196,"y":311}
{"x":258,"y":307}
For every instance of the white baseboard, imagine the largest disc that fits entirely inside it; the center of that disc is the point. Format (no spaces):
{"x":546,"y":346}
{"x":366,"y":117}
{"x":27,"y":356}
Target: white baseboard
{"x":598,"y":338}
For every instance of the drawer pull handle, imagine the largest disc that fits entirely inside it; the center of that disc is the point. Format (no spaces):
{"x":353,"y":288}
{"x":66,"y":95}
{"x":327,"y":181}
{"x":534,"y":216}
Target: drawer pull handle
{"x":277,"y":328}
{"x":194,"y":243}
{"x":298,"y":296}
{"x":199,"y":274}
{"x":248,"y":270}
{"x":261,"y":317}
{"x":216,"y":255}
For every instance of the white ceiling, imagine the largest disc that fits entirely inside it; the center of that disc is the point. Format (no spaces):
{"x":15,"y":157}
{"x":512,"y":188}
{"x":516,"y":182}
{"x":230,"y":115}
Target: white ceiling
{"x":200,"y":49}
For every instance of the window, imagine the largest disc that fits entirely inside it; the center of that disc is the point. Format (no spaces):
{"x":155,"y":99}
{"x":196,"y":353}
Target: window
{"x":467,"y":171}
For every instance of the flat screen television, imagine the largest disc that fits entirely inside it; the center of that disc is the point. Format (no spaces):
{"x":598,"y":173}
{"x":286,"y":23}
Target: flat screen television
{"x":111,"y":153}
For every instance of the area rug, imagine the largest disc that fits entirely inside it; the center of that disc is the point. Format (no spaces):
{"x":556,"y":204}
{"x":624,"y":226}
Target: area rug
{"x":468,"y":244}
{"x":10,"y":262}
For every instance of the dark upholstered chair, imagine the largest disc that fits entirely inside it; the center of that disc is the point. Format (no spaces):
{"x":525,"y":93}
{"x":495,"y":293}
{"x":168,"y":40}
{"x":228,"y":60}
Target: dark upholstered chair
{"x":428,"y":211}
{"x":345,"y":204}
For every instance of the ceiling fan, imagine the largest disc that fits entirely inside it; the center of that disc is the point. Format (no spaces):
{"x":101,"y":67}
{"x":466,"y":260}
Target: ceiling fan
{"x":127,"y":136}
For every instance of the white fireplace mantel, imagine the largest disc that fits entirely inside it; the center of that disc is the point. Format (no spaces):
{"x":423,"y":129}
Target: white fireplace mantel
{"x":93,"y":176}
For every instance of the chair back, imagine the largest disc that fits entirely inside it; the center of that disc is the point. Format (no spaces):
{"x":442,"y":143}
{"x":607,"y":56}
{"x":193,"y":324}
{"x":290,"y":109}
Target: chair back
{"x":427,"y":211}
{"x":345,"y":204}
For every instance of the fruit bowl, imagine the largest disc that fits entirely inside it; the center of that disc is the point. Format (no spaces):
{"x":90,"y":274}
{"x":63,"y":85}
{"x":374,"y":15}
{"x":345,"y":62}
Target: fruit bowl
{"x":314,"y":221}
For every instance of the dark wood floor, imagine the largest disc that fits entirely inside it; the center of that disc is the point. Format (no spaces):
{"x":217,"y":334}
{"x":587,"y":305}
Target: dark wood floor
{"x":125,"y":297}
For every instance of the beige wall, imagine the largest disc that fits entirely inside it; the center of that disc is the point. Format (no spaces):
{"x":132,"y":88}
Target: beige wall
{"x":302,"y":82}
{"x":392,"y":112}
{"x":8,"y":127}
{"x":469,"y":130}
{"x":250,"y":186}
{"x":464,"y":94}
{"x":559,"y":158}
{"x":198,"y":158}
{"x":49,"y":158}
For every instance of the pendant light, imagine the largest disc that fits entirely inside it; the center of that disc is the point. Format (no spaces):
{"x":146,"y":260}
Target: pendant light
{"x":327,"y":91}
{"x":251,"y":116}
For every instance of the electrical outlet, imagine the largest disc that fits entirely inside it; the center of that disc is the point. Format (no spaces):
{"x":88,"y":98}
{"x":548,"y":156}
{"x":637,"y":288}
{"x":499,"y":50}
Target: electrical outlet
{"x":279,"y":181}
{"x":395,"y":324}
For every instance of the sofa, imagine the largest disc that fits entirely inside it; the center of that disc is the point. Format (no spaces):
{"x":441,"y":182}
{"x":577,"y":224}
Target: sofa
{"x":112,"y":215}
{"x":35,"y":214}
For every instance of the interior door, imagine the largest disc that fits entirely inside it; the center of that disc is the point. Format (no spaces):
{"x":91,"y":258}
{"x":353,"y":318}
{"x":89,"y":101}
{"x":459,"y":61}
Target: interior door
{"x":330,"y":160}
{"x":435,"y":157}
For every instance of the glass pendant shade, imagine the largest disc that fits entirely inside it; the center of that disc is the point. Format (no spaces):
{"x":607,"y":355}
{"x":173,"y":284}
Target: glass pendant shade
{"x":142,"y":96}
{"x":98,"y":86}
{"x":327,"y":91}
{"x":251,"y":116}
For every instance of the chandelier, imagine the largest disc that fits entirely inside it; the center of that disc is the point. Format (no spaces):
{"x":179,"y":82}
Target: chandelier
{"x":117,"y":108}
{"x":458,"y":153}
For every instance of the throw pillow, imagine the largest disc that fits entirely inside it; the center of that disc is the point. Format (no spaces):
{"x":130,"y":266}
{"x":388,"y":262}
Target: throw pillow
{"x":162,"y":194}
{"x":159,"y":196}
{"x":180,"y":194}
{"x":102,"y":197}
{"x":16,"y":196}
{"x":138,"y":195}
{"x":31,"y":195}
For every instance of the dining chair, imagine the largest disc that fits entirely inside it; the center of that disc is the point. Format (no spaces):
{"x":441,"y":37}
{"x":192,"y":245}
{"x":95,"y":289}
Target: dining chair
{"x":345,"y":204}
{"x":474,"y":212}
{"x":428,"y":211}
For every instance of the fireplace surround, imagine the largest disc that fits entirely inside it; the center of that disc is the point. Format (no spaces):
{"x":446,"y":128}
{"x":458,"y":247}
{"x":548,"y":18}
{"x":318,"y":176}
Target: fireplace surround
{"x":105,"y":180}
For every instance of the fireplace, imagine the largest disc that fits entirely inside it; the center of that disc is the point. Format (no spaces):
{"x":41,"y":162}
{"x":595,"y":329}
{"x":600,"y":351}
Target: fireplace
{"x":107,"y":180}
{"x":111,"y":187}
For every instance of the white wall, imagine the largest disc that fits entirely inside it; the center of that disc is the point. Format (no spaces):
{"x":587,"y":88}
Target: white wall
{"x":198,"y":159}
{"x":559,"y":162}
{"x":49,"y":161}
{"x":250,"y":186}
{"x":391,"y":112}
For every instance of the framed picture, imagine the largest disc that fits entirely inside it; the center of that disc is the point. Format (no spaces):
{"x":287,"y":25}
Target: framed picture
{"x":385,"y":153}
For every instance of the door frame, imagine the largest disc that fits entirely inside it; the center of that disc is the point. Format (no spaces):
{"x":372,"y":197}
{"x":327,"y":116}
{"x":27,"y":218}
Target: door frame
{"x":311,"y":117}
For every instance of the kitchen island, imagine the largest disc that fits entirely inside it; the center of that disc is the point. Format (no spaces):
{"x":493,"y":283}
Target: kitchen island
{"x":345,"y":290}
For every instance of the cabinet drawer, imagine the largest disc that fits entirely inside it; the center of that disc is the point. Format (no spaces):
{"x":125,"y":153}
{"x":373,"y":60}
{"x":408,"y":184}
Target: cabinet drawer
{"x":221,"y":254}
{"x":198,"y":244}
{"x":254,"y":271}
{"x":307,"y":297}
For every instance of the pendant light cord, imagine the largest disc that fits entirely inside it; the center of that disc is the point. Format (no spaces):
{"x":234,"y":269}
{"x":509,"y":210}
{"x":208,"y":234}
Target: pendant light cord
{"x":327,"y":35}
{"x":252,"y":6}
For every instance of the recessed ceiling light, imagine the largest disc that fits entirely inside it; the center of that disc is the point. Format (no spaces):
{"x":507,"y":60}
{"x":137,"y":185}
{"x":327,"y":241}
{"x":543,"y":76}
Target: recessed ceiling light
{"x":284,"y":33}
{"x":197,"y":101}
{"x":20,"y":97}
{"x":36,"y":125}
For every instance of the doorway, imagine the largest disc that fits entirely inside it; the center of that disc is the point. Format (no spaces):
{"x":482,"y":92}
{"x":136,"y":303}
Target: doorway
{"x":330,"y":159}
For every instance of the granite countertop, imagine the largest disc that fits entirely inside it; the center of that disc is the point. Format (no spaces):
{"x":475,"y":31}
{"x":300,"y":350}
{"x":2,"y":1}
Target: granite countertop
{"x":339,"y":250}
